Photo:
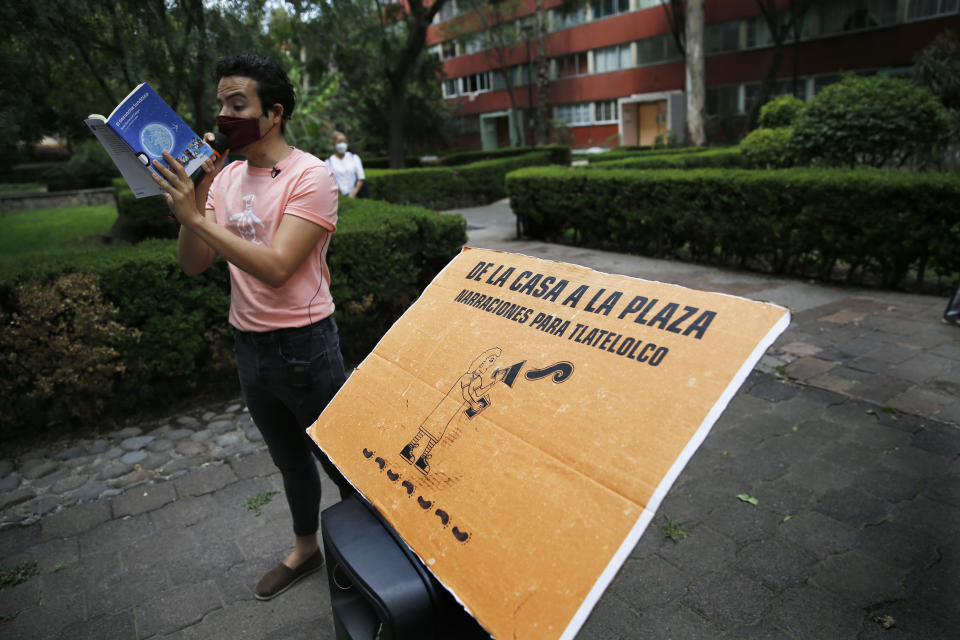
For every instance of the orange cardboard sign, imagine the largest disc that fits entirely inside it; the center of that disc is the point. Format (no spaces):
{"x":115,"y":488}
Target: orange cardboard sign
{"x":523,"y":420}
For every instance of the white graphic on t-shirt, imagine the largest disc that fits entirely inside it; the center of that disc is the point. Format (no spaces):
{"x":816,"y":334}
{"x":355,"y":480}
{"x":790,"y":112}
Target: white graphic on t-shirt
{"x":246,"y":219}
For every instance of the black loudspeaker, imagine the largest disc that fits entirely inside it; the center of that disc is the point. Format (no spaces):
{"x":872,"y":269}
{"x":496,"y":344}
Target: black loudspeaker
{"x":379,"y":589}
{"x":952,"y":313}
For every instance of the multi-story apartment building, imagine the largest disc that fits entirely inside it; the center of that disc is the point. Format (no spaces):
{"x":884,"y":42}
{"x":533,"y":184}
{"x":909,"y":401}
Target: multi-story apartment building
{"x":617,"y":74}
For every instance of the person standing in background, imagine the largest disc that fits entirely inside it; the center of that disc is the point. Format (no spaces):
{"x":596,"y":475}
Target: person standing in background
{"x":346,"y":167}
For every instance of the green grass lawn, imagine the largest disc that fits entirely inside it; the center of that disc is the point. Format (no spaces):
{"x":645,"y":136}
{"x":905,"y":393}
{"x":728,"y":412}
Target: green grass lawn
{"x":32,"y":237}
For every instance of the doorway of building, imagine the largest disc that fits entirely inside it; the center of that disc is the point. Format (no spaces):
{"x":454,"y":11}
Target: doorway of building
{"x":497,"y":130}
{"x":643,"y":122}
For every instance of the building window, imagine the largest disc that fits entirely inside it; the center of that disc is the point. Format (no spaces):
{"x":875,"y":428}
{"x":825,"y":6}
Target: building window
{"x":605,"y":111}
{"x":448,"y":50}
{"x":821,"y":82}
{"x":646,"y":4}
{"x":447,"y":11}
{"x":574,"y":64}
{"x":612,"y":58}
{"x":605,"y":8}
{"x":854,"y":15}
{"x":565,"y":21}
{"x":657,"y":50}
{"x":467,"y":125}
{"x":475,"y":83}
{"x":723,"y":100}
{"x":449,"y":88}
{"x":573,"y":114}
{"x":723,"y":37}
{"x":920,"y":9}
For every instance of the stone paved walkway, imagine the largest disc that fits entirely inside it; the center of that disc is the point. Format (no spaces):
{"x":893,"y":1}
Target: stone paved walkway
{"x":847,"y":436}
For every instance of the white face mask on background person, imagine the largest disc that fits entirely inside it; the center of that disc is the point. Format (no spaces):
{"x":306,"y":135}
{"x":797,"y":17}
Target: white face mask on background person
{"x":341,"y":147}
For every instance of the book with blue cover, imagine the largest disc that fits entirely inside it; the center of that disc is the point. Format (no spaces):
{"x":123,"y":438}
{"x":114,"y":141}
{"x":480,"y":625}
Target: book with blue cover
{"x":139,"y":130}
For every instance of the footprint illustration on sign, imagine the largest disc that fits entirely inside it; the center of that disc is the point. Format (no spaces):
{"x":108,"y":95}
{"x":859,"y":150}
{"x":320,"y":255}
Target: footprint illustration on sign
{"x":469,"y":396}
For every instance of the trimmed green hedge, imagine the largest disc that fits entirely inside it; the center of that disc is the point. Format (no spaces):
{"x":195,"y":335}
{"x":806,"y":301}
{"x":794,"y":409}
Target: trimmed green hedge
{"x":623,"y":153}
{"x":559,"y":154}
{"x":726,"y":158}
{"x":449,"y":187}
{"x":878,"y":225}
{"x":108,"y":332}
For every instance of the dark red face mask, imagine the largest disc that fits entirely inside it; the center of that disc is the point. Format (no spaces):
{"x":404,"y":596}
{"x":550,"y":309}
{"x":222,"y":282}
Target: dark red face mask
{"x":240,"y":131}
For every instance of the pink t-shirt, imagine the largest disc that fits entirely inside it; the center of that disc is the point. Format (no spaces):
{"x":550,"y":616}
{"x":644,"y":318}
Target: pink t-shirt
{"x":250,"y":202}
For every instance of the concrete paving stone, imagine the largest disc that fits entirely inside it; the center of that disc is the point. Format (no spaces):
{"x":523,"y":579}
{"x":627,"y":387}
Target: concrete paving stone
{"x":853,"y":507}
{"x":850,"y":455}
{"x":179,"y":434}
{"x":902,"y":421}
{"x":45,"y":620}
{"x":234,"y":407}
{"x":35,"y":469}
{"x":912,"y":619}
{"x":319,"y":627}
{"x":924,"y":366}
{"x":10,"y":482}
{"x":205,"y":480}
{"x":113,"y":453}
{"x":912,"y":461}
{"x":244,"y":421}
{"x":202,"y":435}
{"x":888,"y":485}
{"x":743,"y":522}
{"x":859,"y":578}
{"x":852,"y":412}
{"x":133,"y":457}
{"x":946,"y":490}
{"x":39,"y":506}
{"x":692,"y":501}
{"x":135,"y":443}
{"x":920,"y":401}
{"x":761,"y":630}
{"x":702,"y":551}
{"x":221,"y":426}
{"x":185,"y":512}
{"x":241,"y":449}
{"x":176,"y":608}
{"x":185,"y":464}
{"x":160,"y":445}
{"x":75,"y":520}
{"x":206,"y":562}
{"x":811,"y":612}
{"x":808,"y":367}
{"x":773,"y":390}
{"x":744,"y":404}
{"x":938,"y":439}
{"x":237,"y":620}
{"x":108,"y":538}
{"x":609,"y":617}
{"x":157,"y":549}
{"x":866,"y":364}
{"x":69,"y":483}
{"x":253,"y":434}
{"x":899,"y":545}
{"x":69,"y":454}
{"x":784,"y":498}
{"x":836,"y":383}
{"x":5,"y":467}
{"x":17,"y":538}
{"x":188,"y":422}
{"x":125,"y":589}
{"x":190,"y":448}
{"x":895,"y":354}
{"x":17,"y":598}
{"x":776,"y":563}
{"x":649,"y":583}
{"x":109,"y":493}
{"x":728,"y":598}
{"x":119,"y":625}
{"x":143,"y":499}
{"x":950,"y":413}
{"x":128,"y":432}
{"x":49,"y":556}
{"x":880,"y":388}
{"x":88,"y":492}
{"x":129,"y":480}
{"x":114,"y":470}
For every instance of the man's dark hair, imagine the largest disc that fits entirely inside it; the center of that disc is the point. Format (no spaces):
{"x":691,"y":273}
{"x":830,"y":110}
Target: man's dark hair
{"x":273,"y":85}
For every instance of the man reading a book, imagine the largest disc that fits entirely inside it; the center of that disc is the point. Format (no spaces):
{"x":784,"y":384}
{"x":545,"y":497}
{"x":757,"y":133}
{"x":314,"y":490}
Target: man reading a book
{"x":271,"y":217}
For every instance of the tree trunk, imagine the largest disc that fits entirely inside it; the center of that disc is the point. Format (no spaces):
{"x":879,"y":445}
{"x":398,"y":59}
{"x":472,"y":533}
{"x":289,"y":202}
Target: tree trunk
{"x":696,"y":77}
{"x":543,"y":79}
{"x":398,"y":101}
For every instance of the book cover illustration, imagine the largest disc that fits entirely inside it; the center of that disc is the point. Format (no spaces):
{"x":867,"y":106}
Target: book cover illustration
{"x":139,"y":130}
